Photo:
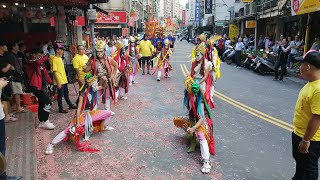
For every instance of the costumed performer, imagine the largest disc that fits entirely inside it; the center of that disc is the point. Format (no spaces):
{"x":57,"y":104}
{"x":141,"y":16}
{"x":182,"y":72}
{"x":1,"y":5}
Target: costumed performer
{"x":198,"y":123}
{"x":87,"y":119}
{"x":163,"y":61}
{"x":215,"y":59}
{"x":122,"y":77}
{"x":106,"y":69}
{"x":202,"y":39}
{"x":200,"y":72}
{"x":133,"y":54}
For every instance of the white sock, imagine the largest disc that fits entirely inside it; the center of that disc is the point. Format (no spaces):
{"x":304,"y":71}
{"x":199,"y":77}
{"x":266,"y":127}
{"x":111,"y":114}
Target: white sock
{"x":204,"y":148}
{"x":131,"y":78}
{"x":107,"y":104}
{"x":159,"y":74}
{"x":121,"y":92}
{"x":59,"y":138}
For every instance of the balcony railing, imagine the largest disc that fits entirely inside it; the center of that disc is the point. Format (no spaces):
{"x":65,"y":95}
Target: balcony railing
{"x":266,"y":4}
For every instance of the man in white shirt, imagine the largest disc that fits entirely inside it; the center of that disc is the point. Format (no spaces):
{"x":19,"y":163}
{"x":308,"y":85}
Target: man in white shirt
{"x":294,"y":49}
{"x":45,"y":48}
{"x":125,"y":42}
{"x":239,"y":48}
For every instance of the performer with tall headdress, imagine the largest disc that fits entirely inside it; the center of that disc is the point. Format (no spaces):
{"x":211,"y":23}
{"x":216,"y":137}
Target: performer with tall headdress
{"x":198,"y":123}
{"x":202,"y":39}
{"x":200,"y":72}
{"x":163,"y":61}
{"x":122,"y":78}
{"x":133,"y":54}
{"x":106,"y":69}
{"x":87,"y":119}
{"x":214,"y":57}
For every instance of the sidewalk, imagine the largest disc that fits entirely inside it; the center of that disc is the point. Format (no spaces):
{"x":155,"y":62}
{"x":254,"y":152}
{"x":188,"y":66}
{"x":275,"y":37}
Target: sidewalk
{"x":20,"y":153}
{"x":295,"y":77}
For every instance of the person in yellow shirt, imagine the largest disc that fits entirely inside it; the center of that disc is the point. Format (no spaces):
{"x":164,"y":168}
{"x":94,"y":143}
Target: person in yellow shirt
{"x":146,"y":49}
{"x":79,"y":61}
{"x":306,"y":122}
{"x":61,"y":81}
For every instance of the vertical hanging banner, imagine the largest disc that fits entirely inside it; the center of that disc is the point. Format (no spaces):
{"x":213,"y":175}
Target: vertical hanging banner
{"x":192,"y":8}
{"x":208,"y":7}
{"x":183,"y":17}
{"x":233,"y":32}
{"x":197,"y":13}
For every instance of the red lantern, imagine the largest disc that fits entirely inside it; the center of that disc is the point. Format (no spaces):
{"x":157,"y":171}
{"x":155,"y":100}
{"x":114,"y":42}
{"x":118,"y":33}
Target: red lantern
{"x":28,"y":14}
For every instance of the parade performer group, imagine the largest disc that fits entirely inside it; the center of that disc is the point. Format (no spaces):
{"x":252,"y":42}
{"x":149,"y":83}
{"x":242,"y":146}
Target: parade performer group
{"x":109,"y":77}
{"x":198,"y":100}
{"x":106,"y":77}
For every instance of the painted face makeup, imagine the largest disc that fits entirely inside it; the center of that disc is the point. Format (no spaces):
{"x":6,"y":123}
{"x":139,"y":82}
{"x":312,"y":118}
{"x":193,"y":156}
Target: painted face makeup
{"x":199,"y":56}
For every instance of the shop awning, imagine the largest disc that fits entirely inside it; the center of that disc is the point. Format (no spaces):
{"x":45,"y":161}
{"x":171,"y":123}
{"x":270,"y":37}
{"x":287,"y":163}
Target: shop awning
{"x":55,"y":2}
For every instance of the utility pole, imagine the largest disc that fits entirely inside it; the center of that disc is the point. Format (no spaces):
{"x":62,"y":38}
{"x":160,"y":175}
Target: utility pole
{"x":92,"y":13}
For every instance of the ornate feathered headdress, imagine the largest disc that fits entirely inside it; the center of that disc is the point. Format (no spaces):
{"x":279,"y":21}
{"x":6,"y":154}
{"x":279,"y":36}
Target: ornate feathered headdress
{"x":132,"y":39}
{"x":202,"y":37}
{"x":166,"y":42}
{"x":201,"y":48}
{"x":100,"y":45}
{"x":119,"y":45}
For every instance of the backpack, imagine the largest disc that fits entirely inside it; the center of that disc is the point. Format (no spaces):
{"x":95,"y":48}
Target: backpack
{"x":221,"y":44}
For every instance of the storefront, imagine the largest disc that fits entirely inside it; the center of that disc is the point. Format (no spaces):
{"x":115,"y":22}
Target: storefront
{"x":111,"y":24}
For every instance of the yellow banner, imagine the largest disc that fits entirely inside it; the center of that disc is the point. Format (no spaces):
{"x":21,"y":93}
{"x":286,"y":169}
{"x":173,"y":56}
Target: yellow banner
{"x":247,"y":1}
{"x":304,"y":6}
{"x":233,"y":31}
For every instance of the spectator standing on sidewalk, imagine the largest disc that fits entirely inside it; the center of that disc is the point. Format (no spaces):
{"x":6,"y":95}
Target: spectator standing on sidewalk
{"x":306,"y":122}
{"x":79,"y":61}
{"x":61,"y":81}
{"x":294,"y":49}
{"x":316,"y":44}
{"x":283,"y":51}
{"x":16,"y":85}
{"x":239,"y":48}
{"x":110,"y":49}
{"x":3,"y":175}
{"x":38,"y":78}
{"x":146,"y":49}
{"x":6,"y":94}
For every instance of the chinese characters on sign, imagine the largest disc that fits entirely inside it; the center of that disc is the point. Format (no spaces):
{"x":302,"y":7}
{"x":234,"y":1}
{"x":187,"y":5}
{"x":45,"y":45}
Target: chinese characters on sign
{"x":233,"y":32}
{"x":197,"y":15}
{"x":208,"y":8}
{"x":304,"y":6}
{"x":251,"y":24}
{"x":192,"y":9}
{"x":117,"y":17}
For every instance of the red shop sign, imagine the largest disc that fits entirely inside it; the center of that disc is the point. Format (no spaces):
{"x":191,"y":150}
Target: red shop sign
{"x":116,"y":17}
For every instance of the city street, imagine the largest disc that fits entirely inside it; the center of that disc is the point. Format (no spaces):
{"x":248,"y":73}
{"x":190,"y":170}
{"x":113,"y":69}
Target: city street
{"x":252,"y":127}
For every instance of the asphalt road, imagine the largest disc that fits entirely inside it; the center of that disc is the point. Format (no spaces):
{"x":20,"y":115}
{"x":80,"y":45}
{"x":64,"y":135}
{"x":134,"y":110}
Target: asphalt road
{"x":252,"y":127}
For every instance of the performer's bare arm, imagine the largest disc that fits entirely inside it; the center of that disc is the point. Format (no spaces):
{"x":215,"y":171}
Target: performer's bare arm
{"x":115,"y":67}
{"x":80,"y":101}
{"x":206,"y":74}
{"x":195,"y":127}
{"x":59,"y":85}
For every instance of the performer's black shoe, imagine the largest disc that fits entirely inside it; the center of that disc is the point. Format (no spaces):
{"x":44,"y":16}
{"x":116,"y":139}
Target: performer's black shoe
{"x":63,"y":111}
{"x":73,"y":107}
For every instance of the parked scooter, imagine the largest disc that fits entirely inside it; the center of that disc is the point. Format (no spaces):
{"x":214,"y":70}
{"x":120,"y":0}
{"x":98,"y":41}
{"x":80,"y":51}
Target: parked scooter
{"x":249,"y":61}
{"x":266,"y":65}
{"x":228,"y":49}
{"x":231,"y":57}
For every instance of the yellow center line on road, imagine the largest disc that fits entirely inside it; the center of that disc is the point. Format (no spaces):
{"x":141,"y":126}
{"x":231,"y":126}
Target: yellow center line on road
{"x":255,"y":111}
{"x":252,"y":111}
{"x":183,"y":71}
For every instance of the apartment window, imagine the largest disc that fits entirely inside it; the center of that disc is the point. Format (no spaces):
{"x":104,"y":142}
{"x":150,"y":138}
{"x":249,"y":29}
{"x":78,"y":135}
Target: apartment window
{"x":237,"y":0}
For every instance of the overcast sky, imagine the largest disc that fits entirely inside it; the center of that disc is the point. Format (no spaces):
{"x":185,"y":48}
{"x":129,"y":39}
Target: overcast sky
{"x":183,"y":2}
